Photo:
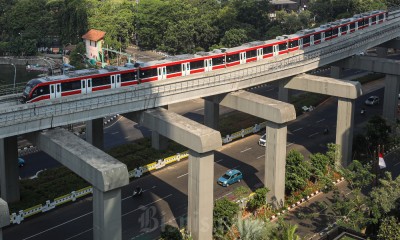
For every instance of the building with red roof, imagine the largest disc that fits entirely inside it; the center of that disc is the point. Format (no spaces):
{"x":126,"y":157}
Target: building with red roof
{"x":94,"y":40}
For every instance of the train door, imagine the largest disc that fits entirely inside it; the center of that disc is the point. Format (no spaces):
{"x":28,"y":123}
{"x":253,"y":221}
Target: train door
{"x":55,"y":90}
{"x":370,"y":21}
{"x":112,"y":81}
{"x":185,"y":69}
{"x":242,"y":57}
{"x":118,"y":80}
{"x":355,"y":26}
{"x":322,"y":36}
{"x":300,"y":43}
{"x":86,"y":86}
{"x":275,"y":50}
{"x":162,"y":73}
{"x":260,"y":53}
{"x":207,"y":65}
{"x":311,"y":40}
{"x":339,"y":31}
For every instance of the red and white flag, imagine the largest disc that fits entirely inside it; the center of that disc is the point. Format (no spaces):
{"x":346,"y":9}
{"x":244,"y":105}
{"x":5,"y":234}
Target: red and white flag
{"x":382,"y":163}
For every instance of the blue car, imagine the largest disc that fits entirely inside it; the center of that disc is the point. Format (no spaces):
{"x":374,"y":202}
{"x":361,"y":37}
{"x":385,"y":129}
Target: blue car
{"x":21,"y":162}
{"x":230,"y":177}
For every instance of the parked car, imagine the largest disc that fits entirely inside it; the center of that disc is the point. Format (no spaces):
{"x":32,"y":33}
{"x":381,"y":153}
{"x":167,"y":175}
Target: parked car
{"x":263,"y":140}
{"x":372,"y":100}
{"x":230,"y":177}
{"x":21,"y":162}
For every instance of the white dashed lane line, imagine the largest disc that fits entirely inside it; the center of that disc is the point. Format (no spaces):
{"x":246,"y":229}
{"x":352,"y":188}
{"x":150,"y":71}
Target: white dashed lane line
{"x":313,"y":134}
{"x":247,"y":149}
{"x":297,"y":129}
{"x":183,"y":175}
{"x":321,"y":120}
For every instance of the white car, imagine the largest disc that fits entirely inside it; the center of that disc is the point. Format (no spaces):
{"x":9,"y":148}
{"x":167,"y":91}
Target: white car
{"x":373,"y":100}
{"x":263,"y":140}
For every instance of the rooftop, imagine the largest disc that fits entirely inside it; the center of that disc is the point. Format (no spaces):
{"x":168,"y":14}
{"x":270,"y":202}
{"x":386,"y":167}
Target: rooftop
{"x":94,"y":35}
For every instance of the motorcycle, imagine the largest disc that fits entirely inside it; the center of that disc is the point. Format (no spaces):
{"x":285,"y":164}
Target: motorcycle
{"x":137,"y":192}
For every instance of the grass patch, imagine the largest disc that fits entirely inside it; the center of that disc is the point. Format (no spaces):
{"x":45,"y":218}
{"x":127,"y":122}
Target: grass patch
{"x":236,"y":121}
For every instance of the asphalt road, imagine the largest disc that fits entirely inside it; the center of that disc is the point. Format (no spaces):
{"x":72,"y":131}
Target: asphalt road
{"x":165,"y":197}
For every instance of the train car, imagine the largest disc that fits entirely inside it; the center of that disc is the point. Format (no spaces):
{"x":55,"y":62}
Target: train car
{"x":79,"y":82}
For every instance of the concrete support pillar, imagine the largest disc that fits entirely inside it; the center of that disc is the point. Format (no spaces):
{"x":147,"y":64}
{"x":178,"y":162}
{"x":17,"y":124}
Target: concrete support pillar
{"x":344,"y":131}
{"x":94,"y":132}
{"x":283,"y":93}
{"x":275,"y":162}
{"x":200,"y":194}
{"x":211,"y":114}
{"x":336,"y":72}
{"x":107,"y":222}
{"x":9,"y":176}
{"x":381,"y":52}
{"x":390,"y":101}
{"x":4,"y":216}
{"x":158,"y":141}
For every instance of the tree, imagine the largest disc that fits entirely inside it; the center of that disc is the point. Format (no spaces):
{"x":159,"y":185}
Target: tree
{"x":389,"y":229}
{"x":234,"y":37}
{"x":77,"y":56}
{"x":358,"y":175}
{"x":377,"y":132}
{"x":241,"y":192}
{"x":285,"y":231}
{"x":297,"y":171}
{"x":259,"y":199}
{"x":171,"y":233}
{"x":224,"y":214}
{"x":252,"y":229}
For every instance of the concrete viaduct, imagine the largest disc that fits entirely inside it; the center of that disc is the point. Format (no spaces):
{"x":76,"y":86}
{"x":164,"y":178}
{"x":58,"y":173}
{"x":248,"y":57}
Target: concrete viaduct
{"x":144,"y":104}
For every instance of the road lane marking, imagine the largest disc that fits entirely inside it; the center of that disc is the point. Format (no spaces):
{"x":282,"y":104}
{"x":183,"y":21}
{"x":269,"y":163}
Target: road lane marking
{"x":225,"y":195}
{"x":114,"y":133}
{"x":79,"y":234}
{"x":313,"y":134}
{"x":141,"y":207}
{"x":321,"y":120}
{"x":199,"y":109}
{"x":112,"y":124}
{"x":287,"y":145}
{"x":219,"y":161}
{"x":245,"y":150}
{"x":183,"y":175}
{"x":261,"y":156}
{"x":59,"y":225}
{"x":297,"y":129}
{"x":397,"y":164}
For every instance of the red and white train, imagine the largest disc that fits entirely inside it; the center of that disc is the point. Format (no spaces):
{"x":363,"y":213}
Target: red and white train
{"x":91,"y":80}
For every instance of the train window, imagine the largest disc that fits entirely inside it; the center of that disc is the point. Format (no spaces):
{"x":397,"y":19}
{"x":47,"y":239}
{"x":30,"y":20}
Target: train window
{"x":128,"y":76}
{"x":100,"y":81}
{"x":251,"y":53}
{"x":306,"y":40}
{"x":58,"y":88}
{"x":267,"y":50}
{"x":374,"y":19}
{"x":232,"y":58}
{"x":83,"y":84}
{"x":352,"y":26}
{"x":335,"y":31}
{"x":317,"y":36}
{"x":88,"y":83}
{"x":293,"y":43}
{"x":148,"y":73}
{"x":343,"y":29}
{"x":218,"y":61}
{"x":197,"y":64}
{"x":282,"y":46}
{"x":328,"y":34}
{"x":174,"y":68}
{"x":43,"y":90}
{"x":381,"y":17}
{"x":52,"y":88}
{"x":360,"y":23}
{"x":75,"y":85}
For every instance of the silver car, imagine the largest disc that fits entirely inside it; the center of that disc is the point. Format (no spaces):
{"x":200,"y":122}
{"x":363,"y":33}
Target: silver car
{"x":263,"y":140}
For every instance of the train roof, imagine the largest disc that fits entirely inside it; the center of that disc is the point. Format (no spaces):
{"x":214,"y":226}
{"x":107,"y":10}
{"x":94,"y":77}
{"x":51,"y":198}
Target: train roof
{"x":79,"y":73}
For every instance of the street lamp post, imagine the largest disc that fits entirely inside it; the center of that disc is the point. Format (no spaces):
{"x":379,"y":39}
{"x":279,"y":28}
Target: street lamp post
{"x":15,"y":74}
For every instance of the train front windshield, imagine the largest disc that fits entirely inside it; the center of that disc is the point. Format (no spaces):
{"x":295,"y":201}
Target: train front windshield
{"x":29,"y":86}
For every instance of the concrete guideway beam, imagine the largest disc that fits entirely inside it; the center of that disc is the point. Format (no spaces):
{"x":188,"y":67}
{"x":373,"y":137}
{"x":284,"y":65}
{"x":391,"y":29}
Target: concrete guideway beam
{"x":4,"y":216}
{"x":325,"y":85}
{"x":260,"y":106}
{"x":186,"y":132}
{"x":372,"y":64}
{"x":95,"y":166}
{"x":201,"y":141}
{"x":392,"y":85}
{"x":106,"y":174}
